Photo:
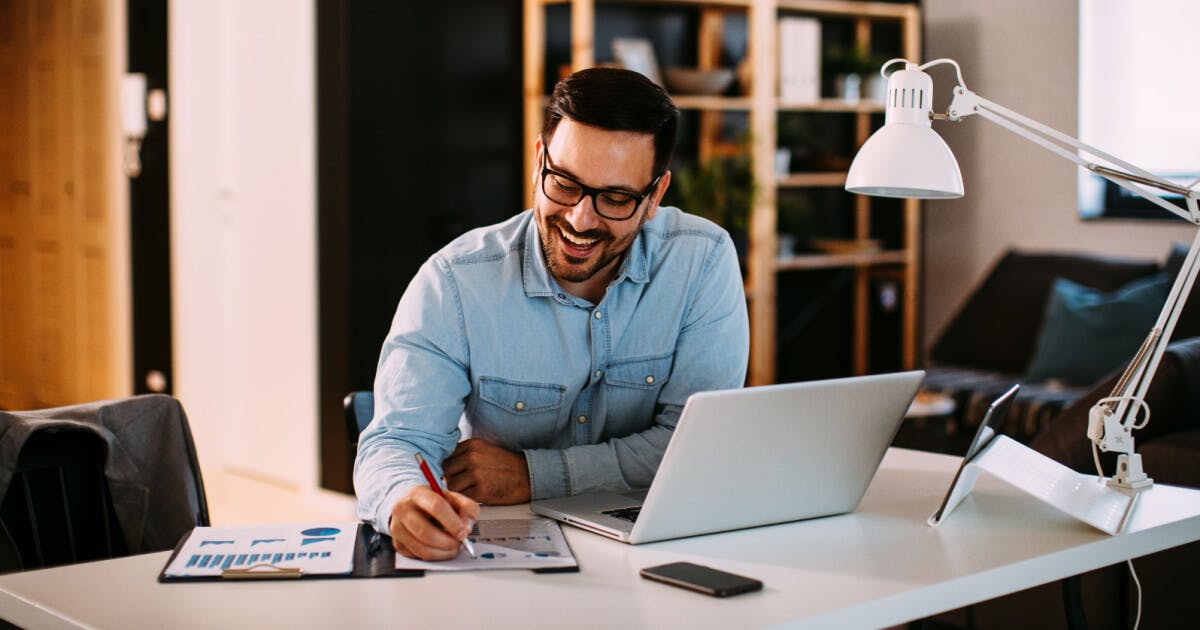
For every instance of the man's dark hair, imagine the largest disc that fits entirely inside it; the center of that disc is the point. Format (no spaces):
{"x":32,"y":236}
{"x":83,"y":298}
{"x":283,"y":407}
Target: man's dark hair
{"x":617,"y":100}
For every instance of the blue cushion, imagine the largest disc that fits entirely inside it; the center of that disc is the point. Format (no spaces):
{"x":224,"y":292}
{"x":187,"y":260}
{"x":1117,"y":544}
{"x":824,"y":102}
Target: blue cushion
{"x":1087,"y":334}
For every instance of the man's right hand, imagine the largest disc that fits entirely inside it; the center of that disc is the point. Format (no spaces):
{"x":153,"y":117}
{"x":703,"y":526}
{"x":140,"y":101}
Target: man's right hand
{"x":429,"y":527}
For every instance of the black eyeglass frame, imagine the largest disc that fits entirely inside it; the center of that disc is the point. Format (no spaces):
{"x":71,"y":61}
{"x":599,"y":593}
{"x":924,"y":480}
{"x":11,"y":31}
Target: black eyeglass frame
{"x":587,"y":191}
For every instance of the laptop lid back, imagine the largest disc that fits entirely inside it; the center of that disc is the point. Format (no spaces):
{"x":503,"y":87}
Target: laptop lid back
{"x":761,"y":455}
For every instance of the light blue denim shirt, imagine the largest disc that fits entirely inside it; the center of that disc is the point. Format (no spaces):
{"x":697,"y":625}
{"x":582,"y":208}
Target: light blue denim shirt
{"x":589,"y":392}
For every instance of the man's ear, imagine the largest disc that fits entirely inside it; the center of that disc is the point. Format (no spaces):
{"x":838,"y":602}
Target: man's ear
{"x":655,"y":197}
{"x":536,"y":169}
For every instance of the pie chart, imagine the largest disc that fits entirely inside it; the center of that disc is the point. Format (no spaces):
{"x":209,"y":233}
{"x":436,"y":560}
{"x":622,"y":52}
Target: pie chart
{"x":321,"y":531}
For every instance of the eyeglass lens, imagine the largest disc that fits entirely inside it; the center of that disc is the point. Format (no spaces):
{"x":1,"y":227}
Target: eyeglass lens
{"x":611,"y":204}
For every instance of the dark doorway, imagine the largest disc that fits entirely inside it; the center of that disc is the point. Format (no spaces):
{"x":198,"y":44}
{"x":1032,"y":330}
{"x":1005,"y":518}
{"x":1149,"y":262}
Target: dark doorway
{"x":419,"y":139}
{"x":149,"y":209}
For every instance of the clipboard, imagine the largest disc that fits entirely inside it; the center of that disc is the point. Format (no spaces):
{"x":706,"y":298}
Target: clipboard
{"x":373,"y":557}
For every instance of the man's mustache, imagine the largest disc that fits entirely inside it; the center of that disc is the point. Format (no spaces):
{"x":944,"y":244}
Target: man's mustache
{"x":557,"y":222}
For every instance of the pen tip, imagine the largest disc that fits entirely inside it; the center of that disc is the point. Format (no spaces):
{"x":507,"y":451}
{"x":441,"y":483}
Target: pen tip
{"x":420,"y":460}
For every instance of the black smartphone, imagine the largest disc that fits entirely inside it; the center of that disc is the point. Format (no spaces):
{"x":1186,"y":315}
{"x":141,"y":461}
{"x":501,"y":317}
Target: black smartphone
{"x":700,"y":578}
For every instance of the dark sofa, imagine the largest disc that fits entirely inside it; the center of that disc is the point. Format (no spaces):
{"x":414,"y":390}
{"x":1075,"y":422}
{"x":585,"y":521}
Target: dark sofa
{"x":986,"y":349}
{"x":989,"y":343}
{"x":1170,"y":449}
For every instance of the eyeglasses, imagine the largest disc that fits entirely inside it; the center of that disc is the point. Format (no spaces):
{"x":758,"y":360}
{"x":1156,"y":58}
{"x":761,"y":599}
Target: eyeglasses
{"x":611,"y":203}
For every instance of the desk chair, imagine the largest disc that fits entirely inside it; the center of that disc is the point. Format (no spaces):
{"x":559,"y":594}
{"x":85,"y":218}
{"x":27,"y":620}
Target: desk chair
{"x":359,"y":408}
{"x":98,"y":480}
{"x":58,"y":508}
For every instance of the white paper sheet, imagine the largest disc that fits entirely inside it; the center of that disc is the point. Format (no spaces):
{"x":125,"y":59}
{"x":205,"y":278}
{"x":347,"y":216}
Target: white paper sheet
{"x":517,"y":543}
{"x":314,"y":548}
{"x":1083,"y":496}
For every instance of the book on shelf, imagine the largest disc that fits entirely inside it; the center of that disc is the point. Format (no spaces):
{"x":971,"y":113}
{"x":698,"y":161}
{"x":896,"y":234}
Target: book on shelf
{"x":799,"y":60}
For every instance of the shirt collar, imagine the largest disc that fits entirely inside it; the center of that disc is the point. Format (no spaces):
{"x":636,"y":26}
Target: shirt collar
{"x":536,"y":275}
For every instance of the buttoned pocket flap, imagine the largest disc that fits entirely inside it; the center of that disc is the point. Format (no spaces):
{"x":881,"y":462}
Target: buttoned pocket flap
{"x":518,"y":397}
{"x":642,"y":373}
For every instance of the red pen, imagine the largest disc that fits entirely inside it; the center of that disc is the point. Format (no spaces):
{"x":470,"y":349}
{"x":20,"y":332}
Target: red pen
{"x":437,"y":487}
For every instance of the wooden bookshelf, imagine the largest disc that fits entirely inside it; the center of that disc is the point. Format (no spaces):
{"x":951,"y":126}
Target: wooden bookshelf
{"x":763,"y":107}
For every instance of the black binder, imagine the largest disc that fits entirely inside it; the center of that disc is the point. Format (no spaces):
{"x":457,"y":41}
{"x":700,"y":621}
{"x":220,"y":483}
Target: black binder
{"x":374,"y":557}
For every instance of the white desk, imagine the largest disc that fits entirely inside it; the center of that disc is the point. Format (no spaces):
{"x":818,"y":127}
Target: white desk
{"x":880,"y":566}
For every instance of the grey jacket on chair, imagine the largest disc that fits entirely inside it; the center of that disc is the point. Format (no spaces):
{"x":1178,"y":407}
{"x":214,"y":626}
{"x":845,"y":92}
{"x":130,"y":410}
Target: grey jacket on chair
{"x":151,"y":466}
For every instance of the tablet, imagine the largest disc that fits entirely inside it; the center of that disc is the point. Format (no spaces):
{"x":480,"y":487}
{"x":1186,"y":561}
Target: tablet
{"x":989,"y":428}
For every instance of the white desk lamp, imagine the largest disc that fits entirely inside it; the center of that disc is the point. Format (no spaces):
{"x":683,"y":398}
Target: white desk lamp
{"x":905,"y":158}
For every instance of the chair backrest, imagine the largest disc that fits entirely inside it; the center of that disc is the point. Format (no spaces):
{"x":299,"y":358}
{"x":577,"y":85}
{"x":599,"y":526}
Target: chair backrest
{"x":98,"y":480}
{"x":359,"y":408}
{"x":58,"y":508}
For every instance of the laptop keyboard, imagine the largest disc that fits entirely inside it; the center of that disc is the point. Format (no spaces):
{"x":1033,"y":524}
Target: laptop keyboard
{"x":626,"y":514}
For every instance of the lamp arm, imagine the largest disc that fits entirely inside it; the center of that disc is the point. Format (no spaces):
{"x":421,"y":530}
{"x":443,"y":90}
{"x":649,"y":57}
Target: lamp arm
{"x":966,"y":103}
{"x":1112,"y":419}
{"x":1119,"y":413}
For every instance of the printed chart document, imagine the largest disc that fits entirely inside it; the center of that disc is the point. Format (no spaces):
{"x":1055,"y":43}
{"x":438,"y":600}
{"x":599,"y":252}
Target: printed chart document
{"x":512,"y":543}
{"x":311,"y":548}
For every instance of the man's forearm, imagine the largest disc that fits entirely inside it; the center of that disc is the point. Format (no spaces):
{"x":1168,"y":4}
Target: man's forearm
{"x":618,"y":464}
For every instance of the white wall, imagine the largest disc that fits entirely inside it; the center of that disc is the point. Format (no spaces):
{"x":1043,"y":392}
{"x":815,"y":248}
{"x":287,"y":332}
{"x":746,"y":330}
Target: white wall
{"x":1022,"y":54}
{"x":243,"y":233}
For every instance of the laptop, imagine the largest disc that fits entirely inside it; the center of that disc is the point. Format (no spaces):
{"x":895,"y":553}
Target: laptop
{"x":755,"y":456}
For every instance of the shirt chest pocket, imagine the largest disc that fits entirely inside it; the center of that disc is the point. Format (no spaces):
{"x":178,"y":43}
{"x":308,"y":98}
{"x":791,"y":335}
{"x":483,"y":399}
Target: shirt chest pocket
{"x":631,"y":387}
{"x":521,"y":400}
{"x":643,"y":373}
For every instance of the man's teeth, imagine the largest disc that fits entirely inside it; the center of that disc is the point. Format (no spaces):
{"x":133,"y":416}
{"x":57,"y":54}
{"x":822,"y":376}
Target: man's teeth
{"x":578,"y":242}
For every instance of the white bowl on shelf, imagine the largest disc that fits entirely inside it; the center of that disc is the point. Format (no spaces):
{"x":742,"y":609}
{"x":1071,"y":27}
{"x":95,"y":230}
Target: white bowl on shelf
{"x":694,"y":81}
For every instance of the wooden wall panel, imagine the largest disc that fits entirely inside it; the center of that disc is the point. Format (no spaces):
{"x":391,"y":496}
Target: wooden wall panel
{"x":57,"y":220}
{"x":95,"y":367}
{"x":13,"y":288}
{"x":14,"y":201}
{"x":51,"y":325}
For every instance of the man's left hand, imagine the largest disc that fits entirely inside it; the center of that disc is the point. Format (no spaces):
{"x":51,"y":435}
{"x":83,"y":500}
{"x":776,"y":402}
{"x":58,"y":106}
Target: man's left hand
{"x":487,"y":473}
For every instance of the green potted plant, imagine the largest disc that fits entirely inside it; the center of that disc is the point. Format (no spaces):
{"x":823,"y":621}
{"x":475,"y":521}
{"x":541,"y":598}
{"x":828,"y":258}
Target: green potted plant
{"x":852,"y":68}
{"x":795,"y":224}
{"x":720,"y":189}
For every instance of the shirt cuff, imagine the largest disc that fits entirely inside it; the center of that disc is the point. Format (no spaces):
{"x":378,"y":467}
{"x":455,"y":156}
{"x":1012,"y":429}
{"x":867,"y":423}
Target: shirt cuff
{"x":383,"y":519}
{"x":547,"y":474}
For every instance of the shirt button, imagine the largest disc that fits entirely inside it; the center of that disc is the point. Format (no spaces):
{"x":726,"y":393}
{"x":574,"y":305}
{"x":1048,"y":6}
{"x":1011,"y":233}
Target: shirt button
{"x":520,"y":405}
{"x":582,"y":419}
{"x":597,"y":374}
{"x":597,"y":315}
{"x":649,"y":380}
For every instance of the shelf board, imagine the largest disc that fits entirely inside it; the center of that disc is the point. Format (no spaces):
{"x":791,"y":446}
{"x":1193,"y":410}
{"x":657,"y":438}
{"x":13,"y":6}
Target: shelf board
{"x":720,"y":103}
{"x":832,"y":261}
{"x":805,"y":180}
{"x":745,"y":4}
{"x":743,"y":103}
{"x":832,"y":105}
{"x":847,"y":8}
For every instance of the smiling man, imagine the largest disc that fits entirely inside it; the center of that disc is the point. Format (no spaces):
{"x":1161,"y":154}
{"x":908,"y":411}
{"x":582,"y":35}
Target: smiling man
{"x":551,"y":354}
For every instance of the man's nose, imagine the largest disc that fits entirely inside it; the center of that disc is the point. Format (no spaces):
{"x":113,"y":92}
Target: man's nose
{"x":582,"y":216}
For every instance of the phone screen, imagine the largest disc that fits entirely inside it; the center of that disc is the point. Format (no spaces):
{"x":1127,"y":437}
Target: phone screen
{"x":701,"y":578}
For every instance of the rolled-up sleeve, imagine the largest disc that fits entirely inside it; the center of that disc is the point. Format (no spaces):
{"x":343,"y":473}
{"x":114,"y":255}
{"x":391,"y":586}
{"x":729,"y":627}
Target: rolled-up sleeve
{"x":421,"y":386}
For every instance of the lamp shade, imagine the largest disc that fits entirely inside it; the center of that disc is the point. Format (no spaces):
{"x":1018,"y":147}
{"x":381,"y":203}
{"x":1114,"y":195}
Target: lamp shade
{"x":906,"y":158}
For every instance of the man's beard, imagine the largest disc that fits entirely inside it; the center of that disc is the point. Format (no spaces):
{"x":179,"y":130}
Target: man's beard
{"x":574,"y":269}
